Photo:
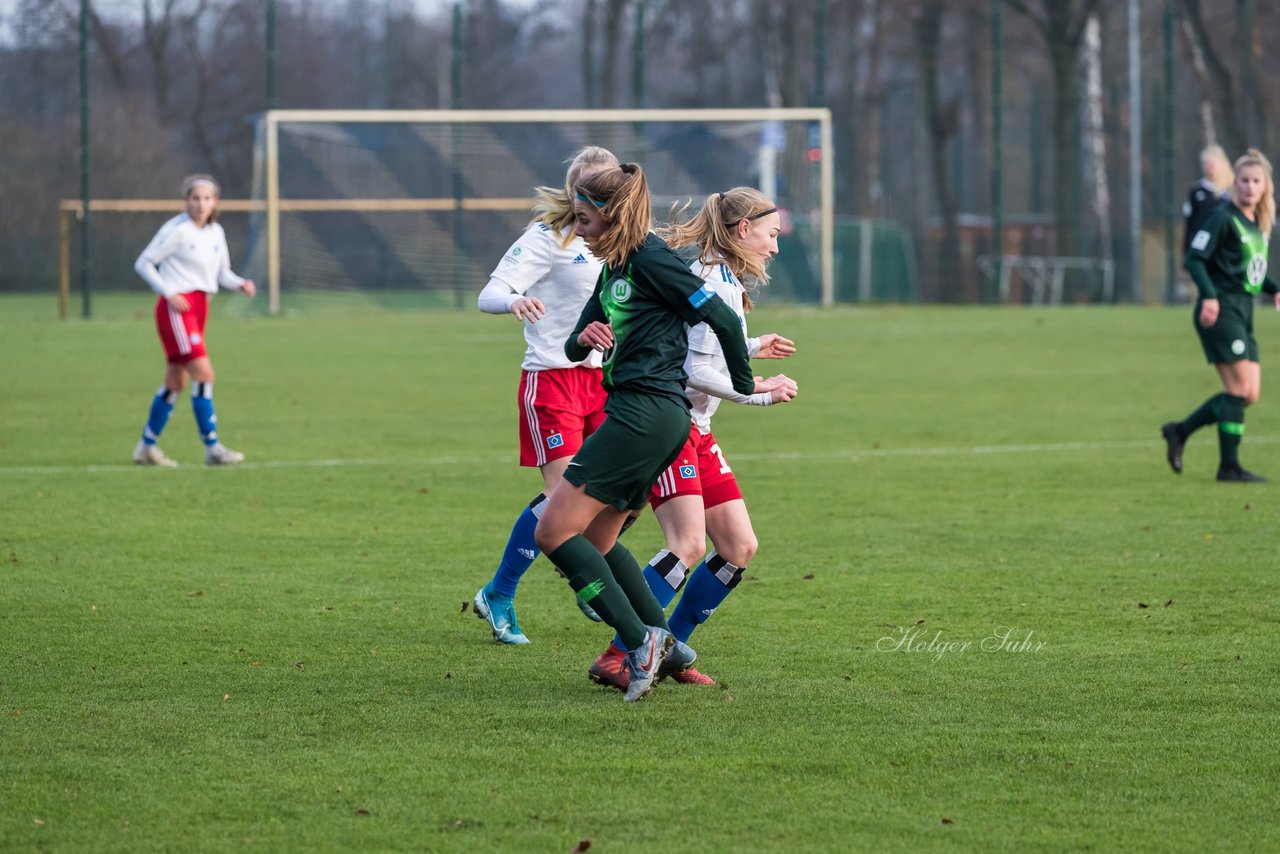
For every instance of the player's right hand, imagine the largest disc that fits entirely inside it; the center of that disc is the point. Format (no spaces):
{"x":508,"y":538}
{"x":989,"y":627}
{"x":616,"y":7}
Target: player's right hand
{"x":179,"y":303}
{"x":781,"y":389}
{"x":1208,"y":313}
{"x":598,"y":336}
{"x":528,"y":308}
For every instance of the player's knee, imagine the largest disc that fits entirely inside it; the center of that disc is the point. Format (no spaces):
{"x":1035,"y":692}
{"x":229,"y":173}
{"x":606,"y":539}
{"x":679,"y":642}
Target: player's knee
{"x":688,"y":549}
{"x":1252,"y":396}
{"x":546,"y":538}
{"x":740,"y":551}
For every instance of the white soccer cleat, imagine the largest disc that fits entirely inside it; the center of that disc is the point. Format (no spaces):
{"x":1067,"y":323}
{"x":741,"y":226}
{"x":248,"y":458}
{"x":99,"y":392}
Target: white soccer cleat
{"x":151,"y":455}
{"x":220,"y":455}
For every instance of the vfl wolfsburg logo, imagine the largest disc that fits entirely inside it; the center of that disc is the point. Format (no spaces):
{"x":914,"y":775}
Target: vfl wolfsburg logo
{"x":1256,"y":272}
{"x":621,"y":290}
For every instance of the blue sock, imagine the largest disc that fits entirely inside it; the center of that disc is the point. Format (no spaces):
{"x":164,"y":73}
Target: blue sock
{"x":161,"y":406}
{"x":708,"y":586}
{"x":202,"y":406}
{"x":665,"y":576}
{"x":521,"y":550}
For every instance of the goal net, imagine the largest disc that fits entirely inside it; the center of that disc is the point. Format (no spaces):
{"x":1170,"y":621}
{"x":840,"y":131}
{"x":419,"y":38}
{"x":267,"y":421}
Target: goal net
{"x":419,"y":206}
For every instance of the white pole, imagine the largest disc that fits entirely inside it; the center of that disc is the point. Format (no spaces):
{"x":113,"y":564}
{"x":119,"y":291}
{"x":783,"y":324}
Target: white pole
{"x":828,"y":209}
{"x":273,"y":215}
{"x":1135,"y":154}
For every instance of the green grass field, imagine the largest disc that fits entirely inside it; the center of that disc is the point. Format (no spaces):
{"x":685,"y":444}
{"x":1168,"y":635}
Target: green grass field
{"x":275,"y":657}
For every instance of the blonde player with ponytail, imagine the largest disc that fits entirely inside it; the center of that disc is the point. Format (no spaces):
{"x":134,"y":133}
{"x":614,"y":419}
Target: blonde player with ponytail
{"x":1227,"y":260}
{"x":644,"y":301}
{"x":728,"y":244}
{"x":543,"y":281}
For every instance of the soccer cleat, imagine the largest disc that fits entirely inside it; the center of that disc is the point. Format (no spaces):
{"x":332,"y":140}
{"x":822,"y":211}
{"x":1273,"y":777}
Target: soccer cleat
{"x":587,"y":610}
{"x":1174,"y":441}
{"x":610,"y":668}
{"x":1236,"y":474}
{"x":500,"y":612}
{"x":219,"y":454}
{"x":151,"y":455}
{"x":691,"y":676}
{"x":680,"y":658}
{"x":644,"y":661}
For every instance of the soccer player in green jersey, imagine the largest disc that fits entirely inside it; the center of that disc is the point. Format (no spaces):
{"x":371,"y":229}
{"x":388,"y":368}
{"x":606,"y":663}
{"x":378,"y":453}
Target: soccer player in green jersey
{"x":638,"y":316}
{"x":1227,"y":260}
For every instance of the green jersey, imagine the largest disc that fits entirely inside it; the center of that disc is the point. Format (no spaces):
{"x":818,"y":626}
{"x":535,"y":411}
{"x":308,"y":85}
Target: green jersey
{"x":650,"y":303}
{"x":1228,"y":255}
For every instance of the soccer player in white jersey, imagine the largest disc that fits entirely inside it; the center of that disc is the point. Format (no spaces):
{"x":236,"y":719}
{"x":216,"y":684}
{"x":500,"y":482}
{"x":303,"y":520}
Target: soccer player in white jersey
{"x":729,"y":242}
{"x":545,"y":278}
{"x":185,"y":264}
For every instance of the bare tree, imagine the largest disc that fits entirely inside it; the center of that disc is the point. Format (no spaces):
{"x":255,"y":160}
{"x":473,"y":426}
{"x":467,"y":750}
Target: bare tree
{"x":1061,"y":24}
{"x":1217,"y":82}
{"x":611,"y":37}
{"x":1095,"y":137}
{"x":940,"y":119}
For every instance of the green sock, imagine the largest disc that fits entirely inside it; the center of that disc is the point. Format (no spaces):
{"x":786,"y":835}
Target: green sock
{"x":1204,"y":416}
{"x":1230,"y":429}
{"x":631,"y":579}
{"x":592,"y":579}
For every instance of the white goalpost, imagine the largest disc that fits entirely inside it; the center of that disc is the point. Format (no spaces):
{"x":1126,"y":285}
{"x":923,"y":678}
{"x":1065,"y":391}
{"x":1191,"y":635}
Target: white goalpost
{"x":427,"y":200}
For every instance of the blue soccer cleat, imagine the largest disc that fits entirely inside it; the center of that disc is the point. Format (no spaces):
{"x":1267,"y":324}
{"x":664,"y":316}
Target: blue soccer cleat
{"x":500,"y":612}
{"x":679,"y":659}
{"x":644,"y":661}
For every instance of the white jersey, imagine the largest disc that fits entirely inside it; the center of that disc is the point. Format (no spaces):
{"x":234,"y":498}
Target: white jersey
{"x":562,"y":278}
{"x":703,"y":341}
{"x":182,"y":258}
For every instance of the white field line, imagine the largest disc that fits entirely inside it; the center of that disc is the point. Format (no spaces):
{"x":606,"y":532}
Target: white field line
{"x":852,"y":454}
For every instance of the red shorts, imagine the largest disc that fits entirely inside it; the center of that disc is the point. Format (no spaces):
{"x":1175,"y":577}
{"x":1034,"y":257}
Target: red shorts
{"x":558,"y":409}
{"x":701,"y":469}
{"x":182,"y":334}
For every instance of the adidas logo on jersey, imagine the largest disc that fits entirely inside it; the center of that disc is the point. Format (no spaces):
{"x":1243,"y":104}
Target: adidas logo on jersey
{"x":581,"y":259}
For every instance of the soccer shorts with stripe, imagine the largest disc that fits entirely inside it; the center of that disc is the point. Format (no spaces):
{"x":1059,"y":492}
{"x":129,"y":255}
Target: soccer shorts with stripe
{"x":559,"y":409}
{"x":182,"y":332}
{"x":700,"y":469}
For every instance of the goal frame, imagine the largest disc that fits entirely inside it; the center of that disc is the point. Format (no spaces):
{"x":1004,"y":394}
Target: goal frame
{"x":274,"y":203}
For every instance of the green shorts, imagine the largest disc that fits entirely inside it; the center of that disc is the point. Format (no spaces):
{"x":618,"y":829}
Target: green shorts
{"x":641,"y":435}
{"x":1231,"y":338}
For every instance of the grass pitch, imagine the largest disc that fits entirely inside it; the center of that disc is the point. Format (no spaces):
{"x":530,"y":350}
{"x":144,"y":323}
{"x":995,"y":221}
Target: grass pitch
{"x":984,"y":615}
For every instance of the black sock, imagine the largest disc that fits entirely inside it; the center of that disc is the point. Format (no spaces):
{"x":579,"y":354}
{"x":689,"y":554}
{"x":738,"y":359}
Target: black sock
{"x":1204,"y":416}
{"x":631,"y":579}
{"x":1230,"y":430}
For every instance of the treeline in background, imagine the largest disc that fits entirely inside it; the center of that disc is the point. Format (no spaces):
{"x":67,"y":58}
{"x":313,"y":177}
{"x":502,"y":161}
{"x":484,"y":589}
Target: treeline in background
{"x":173,"y":86}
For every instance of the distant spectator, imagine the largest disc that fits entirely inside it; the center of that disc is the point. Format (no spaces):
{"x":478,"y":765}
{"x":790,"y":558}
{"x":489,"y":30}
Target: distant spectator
{"x":1207,"y":193}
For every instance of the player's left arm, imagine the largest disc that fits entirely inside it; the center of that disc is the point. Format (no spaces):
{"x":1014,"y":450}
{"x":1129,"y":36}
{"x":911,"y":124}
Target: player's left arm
{"x":1270,"y":286}
{"x":227,"y":278}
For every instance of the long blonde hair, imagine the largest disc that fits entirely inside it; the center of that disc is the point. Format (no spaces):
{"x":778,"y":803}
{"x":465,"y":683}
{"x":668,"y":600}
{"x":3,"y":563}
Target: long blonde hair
{"x":553,"y":206}
{"x":622,"y":196}
{"x":1214,"y":156}
{"x":1265,"y":212}
{"x":713,"y":230}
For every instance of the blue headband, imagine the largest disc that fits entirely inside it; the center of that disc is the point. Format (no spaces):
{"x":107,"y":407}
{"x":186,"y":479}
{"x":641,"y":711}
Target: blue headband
{"x":589,"y":200}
